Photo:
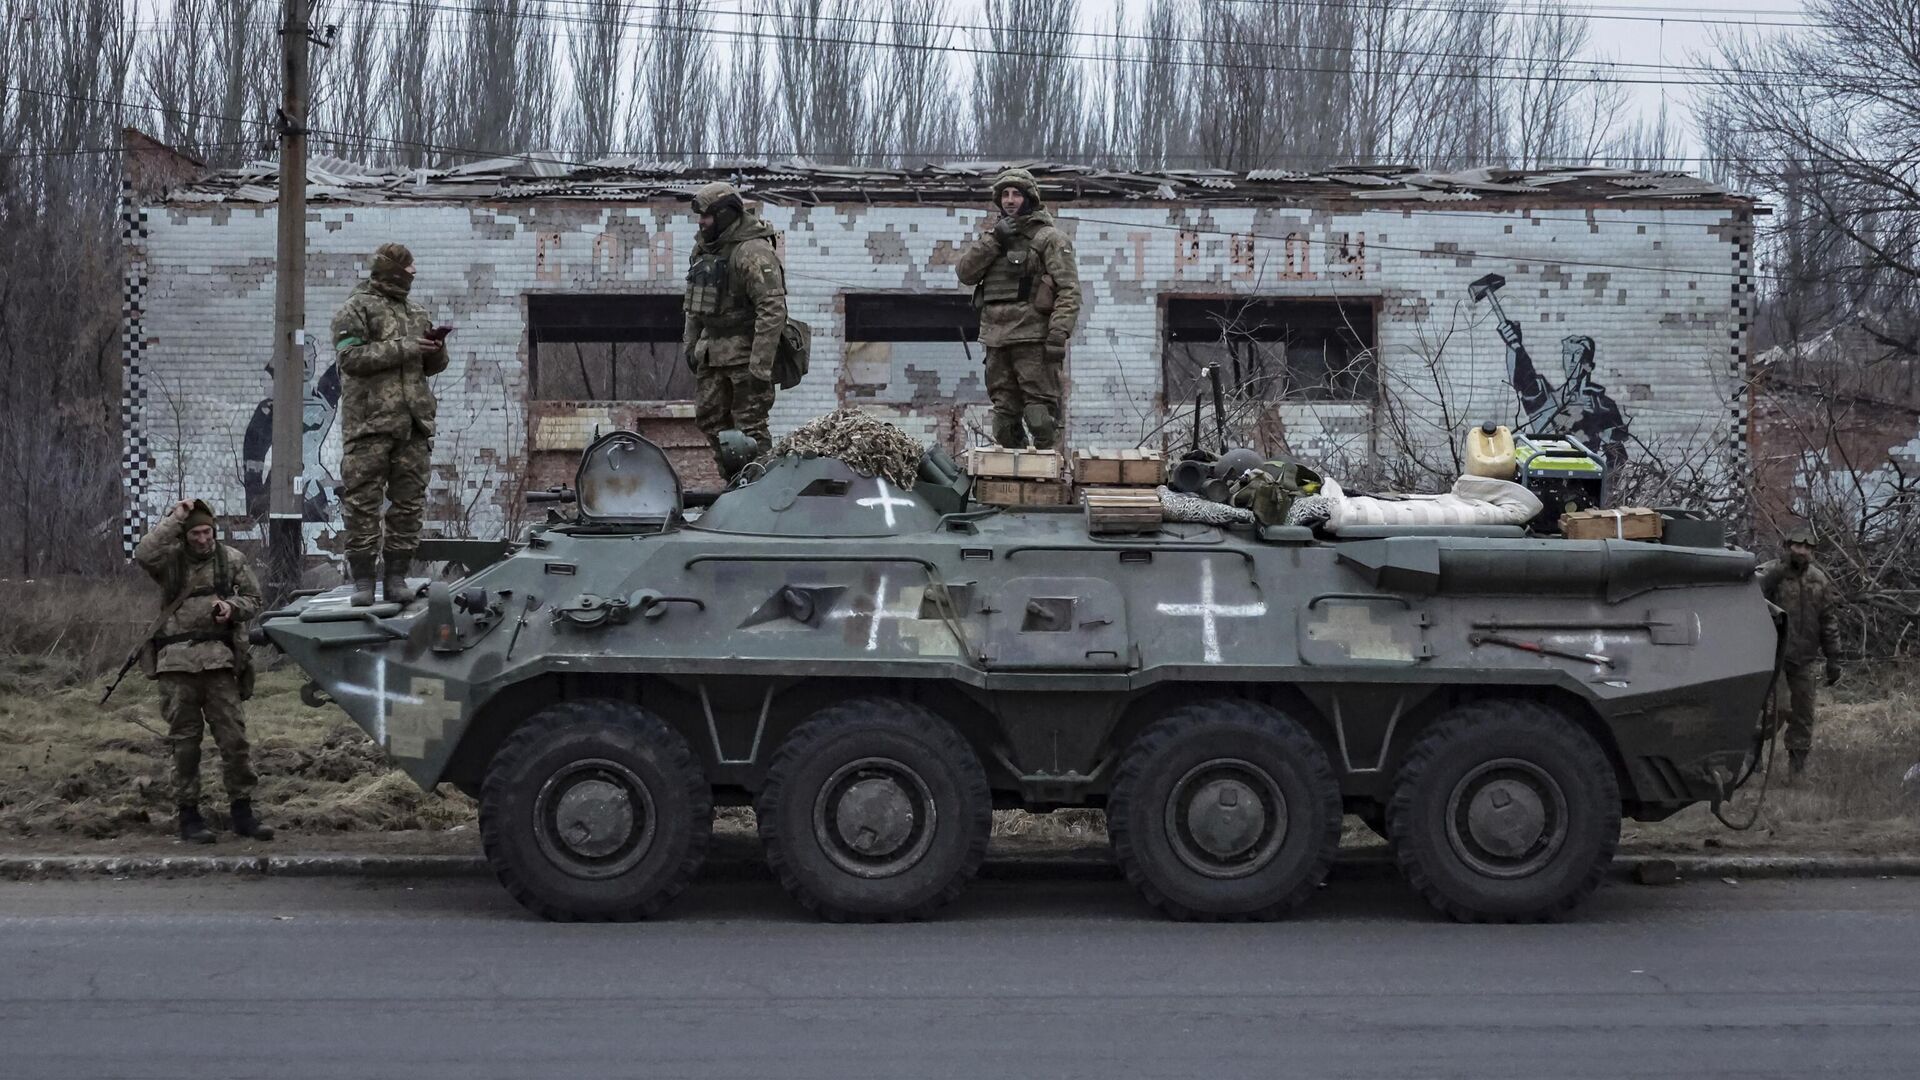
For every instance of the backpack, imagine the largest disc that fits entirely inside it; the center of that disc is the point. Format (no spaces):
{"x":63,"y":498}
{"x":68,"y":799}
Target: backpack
{"x":790,"y":356}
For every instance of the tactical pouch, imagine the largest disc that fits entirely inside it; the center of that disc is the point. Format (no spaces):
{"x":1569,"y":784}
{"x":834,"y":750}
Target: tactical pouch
{"x":707,"y":285}
{"x":1009,"y":278}
{"x":1270,"y":489}
{"x":1043,"y":294}
{"x":790,"y":356}
{"x":242,"y":664}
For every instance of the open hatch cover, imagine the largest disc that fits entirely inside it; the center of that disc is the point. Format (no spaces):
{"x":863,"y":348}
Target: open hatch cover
{"x":626,"y":480}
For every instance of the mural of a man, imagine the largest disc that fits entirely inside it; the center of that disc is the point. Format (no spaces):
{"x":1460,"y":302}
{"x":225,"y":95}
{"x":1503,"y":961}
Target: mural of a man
{"x":319,"y":406}
{"x":1580,"y":407}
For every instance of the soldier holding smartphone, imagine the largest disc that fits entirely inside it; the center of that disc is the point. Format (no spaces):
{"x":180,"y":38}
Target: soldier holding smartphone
{"x":388,"y":347}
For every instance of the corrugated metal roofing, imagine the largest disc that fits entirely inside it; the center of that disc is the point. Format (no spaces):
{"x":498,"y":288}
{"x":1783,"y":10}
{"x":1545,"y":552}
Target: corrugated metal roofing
{"x":545,"y":177}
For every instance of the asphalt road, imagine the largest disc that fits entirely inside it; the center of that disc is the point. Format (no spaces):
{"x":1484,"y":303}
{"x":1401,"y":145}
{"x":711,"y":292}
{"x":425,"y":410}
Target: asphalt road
{"x":1041,"y":978}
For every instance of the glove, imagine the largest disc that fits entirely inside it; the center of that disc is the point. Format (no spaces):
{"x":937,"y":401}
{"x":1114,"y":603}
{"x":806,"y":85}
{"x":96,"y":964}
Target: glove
{"x":692,"y":364}
{"x":1004,"y":231}
{"x":1056,"y":348}
{"x":1833,"y":672}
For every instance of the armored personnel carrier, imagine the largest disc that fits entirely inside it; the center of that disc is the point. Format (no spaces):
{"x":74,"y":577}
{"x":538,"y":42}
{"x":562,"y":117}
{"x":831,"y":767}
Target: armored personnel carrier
{"x":876,"y":665}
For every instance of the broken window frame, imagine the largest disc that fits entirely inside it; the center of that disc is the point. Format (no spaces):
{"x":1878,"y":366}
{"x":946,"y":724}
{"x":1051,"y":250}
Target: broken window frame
{"x":1353,"y":378}
{"x":649,"y":324}
{"x":862,"y":323}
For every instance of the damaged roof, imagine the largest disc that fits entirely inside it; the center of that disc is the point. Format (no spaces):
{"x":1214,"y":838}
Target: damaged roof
{"x":629,"y":179}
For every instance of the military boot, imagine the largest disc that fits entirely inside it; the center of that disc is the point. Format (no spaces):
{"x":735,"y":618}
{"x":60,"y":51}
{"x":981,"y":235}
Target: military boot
{"x":1008,"y":433}
{"x":1796,"y":765}
{"x":393,"y":584}
{"x":193,"y":827}
{"x":360,"y":568}
{"x":1041,"y":425}
{"x":245,"y":824}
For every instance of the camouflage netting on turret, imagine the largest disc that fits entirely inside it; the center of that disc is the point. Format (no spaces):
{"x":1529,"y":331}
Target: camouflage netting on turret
{"x":870,"y":446}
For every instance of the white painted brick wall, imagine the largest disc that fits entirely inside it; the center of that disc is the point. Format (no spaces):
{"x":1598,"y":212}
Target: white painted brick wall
{"x":1651,"y":286}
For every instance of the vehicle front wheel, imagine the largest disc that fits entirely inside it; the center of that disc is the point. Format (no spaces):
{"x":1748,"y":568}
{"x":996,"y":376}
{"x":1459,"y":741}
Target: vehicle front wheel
{"x":1504,"y":811}
{"x":595,"y":811}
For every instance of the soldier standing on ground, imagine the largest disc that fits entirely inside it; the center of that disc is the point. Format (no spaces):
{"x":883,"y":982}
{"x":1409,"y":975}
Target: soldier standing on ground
{"x":1026,"y":287}
{"x":198,"y":654}
{"x":1806,"y":594}
{"x":388,"y":347}
{"x":736,"y":309}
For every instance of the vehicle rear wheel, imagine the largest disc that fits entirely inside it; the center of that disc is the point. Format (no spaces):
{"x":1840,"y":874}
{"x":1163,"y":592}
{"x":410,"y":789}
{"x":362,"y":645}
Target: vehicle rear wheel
{"x":874,"y":809}
{"x":595,"y":811}
{"x":1505,"y":811}
{"x":1226,"y":809}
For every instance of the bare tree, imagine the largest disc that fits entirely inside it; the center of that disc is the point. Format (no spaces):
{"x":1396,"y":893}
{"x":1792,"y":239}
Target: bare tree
{"x":349,"y":114}
{"x":1027,"y":87}
{"x":1151,"y":110}
{"x":413,"y":95}
{"x":824,"y":48}
{"x":674,"y":82}
{"x":500,"y":92}
{"x":918,"y":116}
{"x":65,"y":66}
{"x":746,"y":118}
{"x":595,"y":43}
{"x":1824,"y":123}
{"x":1560,"y":113}
{"x":1274,"y":83}
{"x":211,"y":69}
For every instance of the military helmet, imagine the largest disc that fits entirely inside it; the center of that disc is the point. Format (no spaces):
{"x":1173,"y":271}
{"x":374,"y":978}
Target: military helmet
{"x":736,"y":451}
{"x":1802,"y":534}
{"x":715,"y":195}
{"x":1018,"y":178}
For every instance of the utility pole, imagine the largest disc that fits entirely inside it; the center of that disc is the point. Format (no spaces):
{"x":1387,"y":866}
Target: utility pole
{"x":286,"y":544}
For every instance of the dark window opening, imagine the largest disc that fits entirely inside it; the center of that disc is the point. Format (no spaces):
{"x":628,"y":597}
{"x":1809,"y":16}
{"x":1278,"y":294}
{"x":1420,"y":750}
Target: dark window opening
{"x":1270,"y":349}
{"x":607,"y":348}
{"x":909,"y":317}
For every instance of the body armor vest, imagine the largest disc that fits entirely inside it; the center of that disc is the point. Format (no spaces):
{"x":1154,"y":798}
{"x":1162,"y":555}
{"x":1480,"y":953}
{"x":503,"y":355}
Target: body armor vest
{"x":707,"y":290}
{"x":1010,"y":278}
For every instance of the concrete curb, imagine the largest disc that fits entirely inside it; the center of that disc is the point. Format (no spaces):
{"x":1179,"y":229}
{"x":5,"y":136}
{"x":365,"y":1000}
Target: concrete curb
{"x":1085,"y":864}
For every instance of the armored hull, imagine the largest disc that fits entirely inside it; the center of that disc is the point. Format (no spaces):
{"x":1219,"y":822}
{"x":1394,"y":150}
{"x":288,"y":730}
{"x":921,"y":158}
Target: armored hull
{"x":876,"y":666}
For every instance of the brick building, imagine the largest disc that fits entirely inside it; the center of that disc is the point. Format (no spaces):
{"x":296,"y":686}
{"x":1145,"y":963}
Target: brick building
{"x":1342,"y":302}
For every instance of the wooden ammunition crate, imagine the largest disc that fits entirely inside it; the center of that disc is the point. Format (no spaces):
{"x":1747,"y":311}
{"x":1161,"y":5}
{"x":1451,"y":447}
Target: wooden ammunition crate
{"x":1121,"y":510}
{"x":1003,"y":464}
{"x":1020,"y":492}
{"x":1119,"y":468}
{"x":1627,"y":523}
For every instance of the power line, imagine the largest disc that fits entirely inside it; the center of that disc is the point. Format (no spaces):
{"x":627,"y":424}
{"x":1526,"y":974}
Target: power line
{"x":1202,"y":64}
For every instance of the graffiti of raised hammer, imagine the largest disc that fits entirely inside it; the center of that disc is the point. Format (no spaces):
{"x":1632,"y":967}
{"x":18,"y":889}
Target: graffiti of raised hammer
{"x":1488,"y":288}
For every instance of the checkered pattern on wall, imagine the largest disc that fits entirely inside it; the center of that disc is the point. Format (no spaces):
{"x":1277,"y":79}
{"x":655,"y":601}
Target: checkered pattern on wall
{"x":136,"y":456}
{"x":1739,"y":372}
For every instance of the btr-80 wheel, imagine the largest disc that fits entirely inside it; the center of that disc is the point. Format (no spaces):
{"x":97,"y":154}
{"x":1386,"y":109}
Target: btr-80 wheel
{"x":595,"y":810}
{"x":875,"y":809}
{"x":1226,"y":809}
{"x":1504,"y":811}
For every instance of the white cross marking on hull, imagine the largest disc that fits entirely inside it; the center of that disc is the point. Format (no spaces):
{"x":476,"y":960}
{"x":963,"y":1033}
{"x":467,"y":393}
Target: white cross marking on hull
{"x":880,"y":614}
{"x":886,"y":502}
{"x":1209,"y":613}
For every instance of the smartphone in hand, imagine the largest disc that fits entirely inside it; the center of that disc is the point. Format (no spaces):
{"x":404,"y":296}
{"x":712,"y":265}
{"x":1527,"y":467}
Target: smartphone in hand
{"x":439,"y":333}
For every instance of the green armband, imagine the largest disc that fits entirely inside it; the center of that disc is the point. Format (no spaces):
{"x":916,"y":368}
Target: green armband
{"x":347,"y":342}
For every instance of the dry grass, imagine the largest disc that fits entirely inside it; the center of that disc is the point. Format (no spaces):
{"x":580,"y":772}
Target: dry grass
{"x":69,"y":767}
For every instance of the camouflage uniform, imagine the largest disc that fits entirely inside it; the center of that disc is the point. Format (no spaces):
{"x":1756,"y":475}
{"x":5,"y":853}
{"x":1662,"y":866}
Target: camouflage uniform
{"x":387,"y":413}
{"x":1807,"y":596}
{"x":194,"y":657}
{"x":1026,"y":287}
{"x":736,"y":308}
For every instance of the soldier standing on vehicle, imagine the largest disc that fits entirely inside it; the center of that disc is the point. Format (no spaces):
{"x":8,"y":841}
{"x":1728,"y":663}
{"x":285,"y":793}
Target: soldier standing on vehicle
{"x":1026,"y":287}
{"x":197,"y":651}
{"x":388,"y":347}
{"x":1806,"y":594}
{"x":736,"y":309}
